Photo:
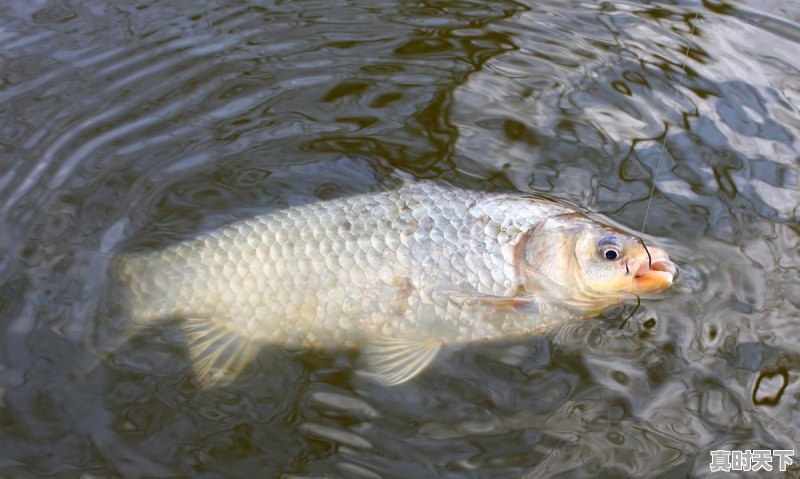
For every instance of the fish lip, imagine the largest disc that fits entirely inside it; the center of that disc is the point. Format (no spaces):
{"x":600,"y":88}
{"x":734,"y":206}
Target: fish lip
{"x":656,"y":275}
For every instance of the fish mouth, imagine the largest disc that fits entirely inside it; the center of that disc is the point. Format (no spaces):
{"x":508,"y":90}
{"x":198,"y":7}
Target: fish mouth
{"x":655,"y":275}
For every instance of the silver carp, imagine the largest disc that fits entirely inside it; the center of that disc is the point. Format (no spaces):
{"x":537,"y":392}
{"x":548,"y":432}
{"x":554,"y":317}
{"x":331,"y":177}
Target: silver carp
{"x":397,"y":274}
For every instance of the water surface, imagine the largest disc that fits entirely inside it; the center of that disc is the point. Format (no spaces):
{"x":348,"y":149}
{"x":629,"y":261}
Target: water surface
{"x":129,"y":125}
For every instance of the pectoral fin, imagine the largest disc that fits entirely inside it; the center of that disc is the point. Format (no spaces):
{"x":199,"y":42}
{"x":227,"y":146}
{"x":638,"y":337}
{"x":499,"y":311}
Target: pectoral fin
{"x":397,"y":360}
{"x":218,"y":354}
{"x":461,"y":296}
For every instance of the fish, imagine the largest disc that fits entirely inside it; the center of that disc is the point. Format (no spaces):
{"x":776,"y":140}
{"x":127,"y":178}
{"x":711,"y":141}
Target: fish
{"x":398,"y":274}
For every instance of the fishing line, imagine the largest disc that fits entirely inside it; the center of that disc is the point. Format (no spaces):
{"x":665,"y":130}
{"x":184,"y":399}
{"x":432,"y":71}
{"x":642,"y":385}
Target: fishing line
{"x":658,"y":165}
{"x":666,"y":132}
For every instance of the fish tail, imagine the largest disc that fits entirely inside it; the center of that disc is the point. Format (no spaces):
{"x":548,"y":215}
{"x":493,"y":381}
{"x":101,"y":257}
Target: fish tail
{"x":132,"y":303}
{"x":139,"y":289}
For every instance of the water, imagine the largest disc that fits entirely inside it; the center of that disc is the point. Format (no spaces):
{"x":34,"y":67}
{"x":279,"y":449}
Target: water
{"x":136,"y":124}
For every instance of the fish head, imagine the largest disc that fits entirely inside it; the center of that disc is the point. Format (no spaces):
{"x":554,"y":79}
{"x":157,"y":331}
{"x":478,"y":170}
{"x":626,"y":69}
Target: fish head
{"x":594,"y":265}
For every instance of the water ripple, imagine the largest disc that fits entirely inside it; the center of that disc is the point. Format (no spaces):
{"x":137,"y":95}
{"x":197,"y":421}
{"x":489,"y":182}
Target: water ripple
{"x":137,"y":124}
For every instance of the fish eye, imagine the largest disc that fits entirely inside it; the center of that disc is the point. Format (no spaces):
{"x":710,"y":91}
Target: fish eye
{"x":610,"y":247}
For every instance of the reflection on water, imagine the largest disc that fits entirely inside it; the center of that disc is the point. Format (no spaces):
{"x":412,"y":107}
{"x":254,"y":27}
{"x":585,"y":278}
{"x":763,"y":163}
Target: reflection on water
{"x":136,"y":124}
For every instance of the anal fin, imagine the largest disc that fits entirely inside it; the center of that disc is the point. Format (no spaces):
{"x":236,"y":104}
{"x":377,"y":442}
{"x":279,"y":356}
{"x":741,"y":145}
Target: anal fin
{"x":396,"y":361}
{"x":218,"y":354}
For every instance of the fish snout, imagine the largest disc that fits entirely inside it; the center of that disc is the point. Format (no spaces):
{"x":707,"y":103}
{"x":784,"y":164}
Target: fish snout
{"x":655,"y":273}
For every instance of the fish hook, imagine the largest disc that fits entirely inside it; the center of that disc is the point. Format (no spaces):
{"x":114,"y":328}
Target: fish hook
{"x":638,"y":303}
{"x":649,"y":258}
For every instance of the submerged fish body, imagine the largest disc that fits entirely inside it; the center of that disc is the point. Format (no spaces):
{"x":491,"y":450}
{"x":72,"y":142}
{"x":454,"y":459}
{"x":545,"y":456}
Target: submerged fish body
{"x":398,"y":273}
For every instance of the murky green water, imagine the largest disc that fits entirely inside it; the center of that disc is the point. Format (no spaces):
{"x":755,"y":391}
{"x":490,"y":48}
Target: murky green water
{"x":135,"y":124}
